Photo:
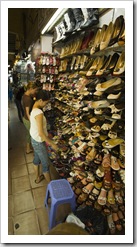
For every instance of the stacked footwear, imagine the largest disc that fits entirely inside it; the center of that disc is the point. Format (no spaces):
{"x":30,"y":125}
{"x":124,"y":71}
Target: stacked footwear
{"x":76,"y":19}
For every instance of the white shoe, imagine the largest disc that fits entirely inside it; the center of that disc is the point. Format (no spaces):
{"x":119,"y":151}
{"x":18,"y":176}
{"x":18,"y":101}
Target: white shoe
{"x":74,"y":219}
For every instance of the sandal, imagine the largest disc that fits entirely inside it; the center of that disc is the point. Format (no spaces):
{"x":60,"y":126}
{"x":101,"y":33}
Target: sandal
{"x":39,"y":179}
{"x":98,"y":185}
{"x":82,"y":197}
{"x":121,"y":217}
{"x":95,"y":192}
{"x":98,"y":159}
{"x":102,"y":197}
{"x":111,"y":143}
{"x":111,"y":224}
{"x":77,"y":191}
{"x":100,"y":172}
{"x":122,"y":149}
{"x":117,"y":221}
{"x":118,"y":198}
{"x":114,"y":208}
{"x":106,"y":161}
{"x":87,"y":189}
{"x":107,"y":180}
{"x":110,"y":197}
{"x":107,"y":209}
{"x":114,"y":163}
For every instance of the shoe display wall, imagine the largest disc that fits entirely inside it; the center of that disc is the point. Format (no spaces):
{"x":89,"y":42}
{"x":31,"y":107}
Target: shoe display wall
{"x":90,"y":101}
{"x":47,"y":69}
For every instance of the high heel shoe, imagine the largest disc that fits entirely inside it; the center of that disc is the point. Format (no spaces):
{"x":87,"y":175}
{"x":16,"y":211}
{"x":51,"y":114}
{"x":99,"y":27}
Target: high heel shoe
{"x":112,"y":64}
{"x":98,"y":38}
{"x":105,"y":65}
{"x":107,"y":36}
{"x":117,"y":28}
{"x":97,"y":64}
{"x":121,"y":39}
{"x":105,"y":85}
{"x":120,"y":65}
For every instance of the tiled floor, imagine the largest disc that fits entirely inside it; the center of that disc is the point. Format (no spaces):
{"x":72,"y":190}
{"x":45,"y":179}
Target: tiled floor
{"x":27,"y":214}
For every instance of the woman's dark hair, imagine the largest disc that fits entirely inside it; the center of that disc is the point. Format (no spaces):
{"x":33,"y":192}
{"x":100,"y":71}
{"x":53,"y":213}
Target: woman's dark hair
{"x":43,"y":94}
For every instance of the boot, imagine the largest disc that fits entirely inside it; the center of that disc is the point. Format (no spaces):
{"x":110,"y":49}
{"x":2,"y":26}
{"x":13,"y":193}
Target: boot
{"x":85,"y":14}
{"x":78,"y":17}
{"x":93,"y":18}
{"x":70,"y":20}
{"x":63,"y":27}
{"x":58,"y":33}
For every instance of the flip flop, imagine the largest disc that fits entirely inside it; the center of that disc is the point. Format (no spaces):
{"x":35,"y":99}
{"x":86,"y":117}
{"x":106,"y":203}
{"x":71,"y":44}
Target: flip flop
{"x":41,"y":177}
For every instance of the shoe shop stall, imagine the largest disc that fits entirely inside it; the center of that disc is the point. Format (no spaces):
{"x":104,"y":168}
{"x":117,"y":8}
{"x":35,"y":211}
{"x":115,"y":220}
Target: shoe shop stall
{"x":85,"y":73}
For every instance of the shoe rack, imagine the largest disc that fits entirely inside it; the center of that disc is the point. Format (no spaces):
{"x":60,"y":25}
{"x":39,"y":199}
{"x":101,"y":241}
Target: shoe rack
{"x":90,"y":126}
{"x":47,"y":65}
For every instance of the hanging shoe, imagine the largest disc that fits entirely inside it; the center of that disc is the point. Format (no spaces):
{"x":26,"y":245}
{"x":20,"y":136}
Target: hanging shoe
{"x":91,"y":17}
{"x":70,"y":20}
{"x":79,"y":18}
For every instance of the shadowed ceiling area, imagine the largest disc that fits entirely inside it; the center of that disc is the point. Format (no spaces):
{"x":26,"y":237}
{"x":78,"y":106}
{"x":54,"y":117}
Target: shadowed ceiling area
{"x":24,"y":28}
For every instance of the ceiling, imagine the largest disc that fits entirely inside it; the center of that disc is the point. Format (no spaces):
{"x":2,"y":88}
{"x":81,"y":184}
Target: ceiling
{"x":24,"y":28}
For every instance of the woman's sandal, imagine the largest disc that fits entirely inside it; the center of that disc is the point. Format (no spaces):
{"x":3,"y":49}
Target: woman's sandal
{"x":117,"y":221}
{"x":82,"y":198}
{"x":121,"y":217}
{"x":118,"y":198}
{"x":106,"y":161}
{"x":102,"y":197}
{"x":39,"y":179}
{"x":107,"y":209}
{"x":111,"y":143}
{"x":114,"y":163}
{"x":88,"y":188}
{"x":107,"y":180}
{"x":111,"y":198}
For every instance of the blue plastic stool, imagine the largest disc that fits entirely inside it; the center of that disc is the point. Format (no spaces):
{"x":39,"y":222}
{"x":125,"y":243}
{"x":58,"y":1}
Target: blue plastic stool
{"x":60,"y":192}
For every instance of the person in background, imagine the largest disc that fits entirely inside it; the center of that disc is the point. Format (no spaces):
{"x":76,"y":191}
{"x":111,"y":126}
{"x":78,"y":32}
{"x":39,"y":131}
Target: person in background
{"x":39,"y":137}
{"x":10,"y":92}
{"x":27,"y":101}
{"x":18,"y":93}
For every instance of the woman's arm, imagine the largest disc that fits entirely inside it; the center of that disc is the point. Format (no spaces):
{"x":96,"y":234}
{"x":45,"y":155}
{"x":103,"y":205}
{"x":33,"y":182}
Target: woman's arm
{"x":27,"y":112}
{"x":39,"y":120}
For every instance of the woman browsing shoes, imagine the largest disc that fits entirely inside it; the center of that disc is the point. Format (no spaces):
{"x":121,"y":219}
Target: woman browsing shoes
{"x":39,"y":136}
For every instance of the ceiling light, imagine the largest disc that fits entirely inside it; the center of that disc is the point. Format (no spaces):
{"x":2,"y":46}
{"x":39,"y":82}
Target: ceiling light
{"x":57,"y":15}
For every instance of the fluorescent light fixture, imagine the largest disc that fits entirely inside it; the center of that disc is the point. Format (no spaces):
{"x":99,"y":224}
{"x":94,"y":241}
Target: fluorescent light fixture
{"x":57,"y":15}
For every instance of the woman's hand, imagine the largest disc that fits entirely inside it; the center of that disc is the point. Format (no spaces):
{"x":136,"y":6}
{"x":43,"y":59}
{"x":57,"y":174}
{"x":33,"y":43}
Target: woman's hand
{"x":55,"y":147}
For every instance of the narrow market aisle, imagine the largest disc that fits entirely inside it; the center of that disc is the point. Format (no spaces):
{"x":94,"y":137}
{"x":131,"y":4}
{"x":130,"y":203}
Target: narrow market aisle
{"x":27,"y":214}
